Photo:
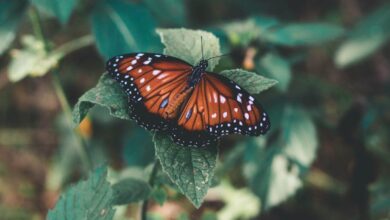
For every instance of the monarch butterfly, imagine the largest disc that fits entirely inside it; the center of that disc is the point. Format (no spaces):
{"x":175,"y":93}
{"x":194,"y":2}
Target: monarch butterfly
{"x":193,"y":106}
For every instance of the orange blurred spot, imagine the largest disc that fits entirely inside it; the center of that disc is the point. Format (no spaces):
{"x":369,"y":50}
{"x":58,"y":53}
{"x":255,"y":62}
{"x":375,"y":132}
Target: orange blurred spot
{"x":248,"y":62}
{"x":85,"y":128}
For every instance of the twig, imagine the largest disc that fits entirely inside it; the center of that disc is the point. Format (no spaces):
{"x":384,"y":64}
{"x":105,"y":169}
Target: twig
{"x":39,"y":33}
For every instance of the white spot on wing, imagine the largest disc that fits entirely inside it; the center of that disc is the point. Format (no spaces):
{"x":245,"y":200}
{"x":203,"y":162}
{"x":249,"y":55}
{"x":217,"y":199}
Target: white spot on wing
{"x":215,"y":97}
{"x":129,"y":68}
{"x":156,"y":72}
{"x":249,"y":107}
{"x":161,"y":76}
{"x":147,"y":62}
{"x":142,"y":80}
{"x":148,"y":88}
{"x":222,"y":99}
{"x":224,"y":114}
{"x":246,"y":115}
{"x":134,"y":62}
{"x":239,"y":98}
{"x":236,"y":109}
{"x":214,"y":115}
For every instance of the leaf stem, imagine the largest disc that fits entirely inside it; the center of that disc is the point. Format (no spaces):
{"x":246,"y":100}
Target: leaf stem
{"x":144,"y":205}
{"x":39,"y":33}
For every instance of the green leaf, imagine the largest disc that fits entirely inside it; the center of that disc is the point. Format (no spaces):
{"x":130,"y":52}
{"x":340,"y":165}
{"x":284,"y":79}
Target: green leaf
{"x":250,"y":81}
{"x":32,"y":60}
{"x":234,"y":200}
{"x":130,"y":190}
{"x":191,"y":169}
{"x":106,"y":93}
{"x":186,"y":44}
{"x":275,"y":172}
{"x":58,"y":8}
{"x":299,"y":136}
{"x":368,"y":36}
{"x":117,"y":30}
{"x":277,"y":68}
{"x":159,"y":195}
{"x":175,"y":9}
{"x":11,"y":13}
{"x":243,"y":32}
{"x":89,"y":199}
{"x":303,"y":34}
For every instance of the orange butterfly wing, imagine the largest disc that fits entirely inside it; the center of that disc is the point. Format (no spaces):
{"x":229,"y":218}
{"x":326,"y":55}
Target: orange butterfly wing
{"x":151,"y":81}
{"x":218,"y":107}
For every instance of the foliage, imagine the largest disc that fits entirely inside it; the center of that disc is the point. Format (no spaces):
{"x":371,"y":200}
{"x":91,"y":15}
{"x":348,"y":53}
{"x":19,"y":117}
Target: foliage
{"x":90,"y":199}
{"x":320,"y":70}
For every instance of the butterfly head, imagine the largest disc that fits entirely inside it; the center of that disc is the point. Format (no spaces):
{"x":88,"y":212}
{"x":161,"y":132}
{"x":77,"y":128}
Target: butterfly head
{"x":203,"y":64}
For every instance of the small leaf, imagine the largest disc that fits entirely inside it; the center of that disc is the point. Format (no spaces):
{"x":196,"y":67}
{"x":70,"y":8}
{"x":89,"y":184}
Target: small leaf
{"x":31,"y":60}
{"x":159,"y":195}
{"x":106,"y":93}
{"x":368,"y":36}
{"x":89,"y":199}
{"x":11,"y":13}
{"x":277,"y":68}
{"x":58,"y":8}
{"x":117,"y":29}
{"x":250,"y":81}
{"x":191,"y":169}
{"x":176,"y":9}
{"x":186,"y":45}
{"x":243,"y":32}
{"x":303,"y":34}
{"x":234,"y":200}
{"x":130,"y":190}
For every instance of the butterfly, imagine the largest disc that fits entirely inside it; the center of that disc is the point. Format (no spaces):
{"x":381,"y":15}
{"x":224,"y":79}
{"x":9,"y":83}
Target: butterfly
{"x":193,"y":106}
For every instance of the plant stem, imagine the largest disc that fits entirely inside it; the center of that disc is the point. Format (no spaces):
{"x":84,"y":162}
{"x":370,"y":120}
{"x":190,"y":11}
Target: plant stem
{"x":144,"y":205}
{"x":39,"y":33}
{"x":74,"y":45}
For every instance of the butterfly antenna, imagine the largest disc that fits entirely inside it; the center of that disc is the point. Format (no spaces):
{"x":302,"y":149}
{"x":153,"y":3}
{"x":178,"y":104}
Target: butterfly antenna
{"x":227,"y":54}
{"x":201,"y":46}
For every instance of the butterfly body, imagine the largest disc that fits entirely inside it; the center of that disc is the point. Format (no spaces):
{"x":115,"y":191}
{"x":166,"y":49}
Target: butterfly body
{"x":193,"y":106}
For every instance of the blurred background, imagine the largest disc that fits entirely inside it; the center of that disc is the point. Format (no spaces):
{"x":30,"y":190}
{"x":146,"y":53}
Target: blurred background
{"x":326,"y":157}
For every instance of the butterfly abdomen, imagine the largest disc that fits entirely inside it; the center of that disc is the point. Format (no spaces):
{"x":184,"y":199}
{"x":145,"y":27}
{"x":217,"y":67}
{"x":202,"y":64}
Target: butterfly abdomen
{"x":173,"y":106}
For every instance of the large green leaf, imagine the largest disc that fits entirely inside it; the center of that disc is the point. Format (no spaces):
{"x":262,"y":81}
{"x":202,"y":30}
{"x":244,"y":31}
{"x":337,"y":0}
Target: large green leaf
{"x":168,"y":12}
{"x":277,"y":68}
{"x":10,"y":14}
{"x":186,"y":44}
{"x":191,"y":169}
{"x":275,"y":173}
{"x":303,"y":34}
{"x":61,"y":9}
{"x":117,"y":28}
{"x":106,"y":93}
{"x":89,"y":199}
{"x":368,"y":36}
